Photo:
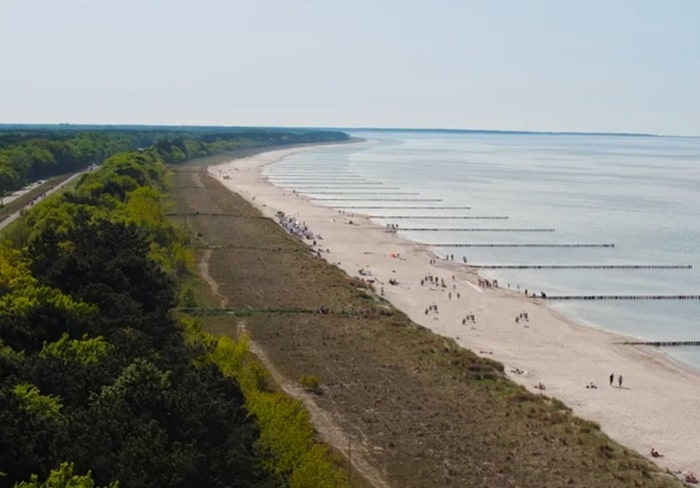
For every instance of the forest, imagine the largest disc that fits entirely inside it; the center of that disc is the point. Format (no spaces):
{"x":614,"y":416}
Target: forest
{"x":102,"y":381}
{"x":30,"y":153}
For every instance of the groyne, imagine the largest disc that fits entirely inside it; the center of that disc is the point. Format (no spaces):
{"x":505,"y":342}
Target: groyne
{"x":404,"y":207}
{"x":532,"y":244}
{"x":620,"y":297}
{"x":582,"y":266}
{"x":441,"y":217}
{"x":330,"y":199}
{"x":475,"y":229}
{"x":661,"y":343}
{"x":397,"y":193}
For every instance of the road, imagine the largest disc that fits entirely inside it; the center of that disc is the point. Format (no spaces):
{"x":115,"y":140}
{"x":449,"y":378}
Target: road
{"x":12,"y":217}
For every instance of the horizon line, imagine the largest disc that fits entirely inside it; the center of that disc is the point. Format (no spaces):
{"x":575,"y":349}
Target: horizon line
{"x":67,"y":125}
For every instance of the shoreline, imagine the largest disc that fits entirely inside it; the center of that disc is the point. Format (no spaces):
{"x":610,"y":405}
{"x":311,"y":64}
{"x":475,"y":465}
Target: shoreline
{"x":656,"y":404}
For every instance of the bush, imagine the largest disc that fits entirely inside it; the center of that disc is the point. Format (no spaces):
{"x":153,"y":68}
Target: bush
{"x":286,"y":431}
{"x":310,"y":384}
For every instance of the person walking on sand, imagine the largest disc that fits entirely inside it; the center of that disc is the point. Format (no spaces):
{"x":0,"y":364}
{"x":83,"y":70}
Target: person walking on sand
{"x":619,"y":381}
{"x":612,"y":377}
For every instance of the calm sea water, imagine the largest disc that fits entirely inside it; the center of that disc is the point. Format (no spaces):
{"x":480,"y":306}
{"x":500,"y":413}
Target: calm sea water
{"x":640,"y":193}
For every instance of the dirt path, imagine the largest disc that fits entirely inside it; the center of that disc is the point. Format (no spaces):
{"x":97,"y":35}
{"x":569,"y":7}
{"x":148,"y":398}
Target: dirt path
{"x":329,"y":431}
{"x":197,"y":180}
{"x":203,"y":268}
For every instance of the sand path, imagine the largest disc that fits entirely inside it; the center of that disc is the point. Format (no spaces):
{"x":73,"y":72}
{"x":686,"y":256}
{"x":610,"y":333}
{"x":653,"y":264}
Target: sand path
{"x":659,"y":399}
{"x":329,"y":430}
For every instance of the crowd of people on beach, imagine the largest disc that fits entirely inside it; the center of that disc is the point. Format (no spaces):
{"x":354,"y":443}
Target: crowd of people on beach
{"x":433,"y":280}
{"x":484,"y":283}
{"x":469,"y":318}
{"x":441,"y":284}
{"x":294,"y":227}
{"x":301,"y":230}
{"x":534,"y":294}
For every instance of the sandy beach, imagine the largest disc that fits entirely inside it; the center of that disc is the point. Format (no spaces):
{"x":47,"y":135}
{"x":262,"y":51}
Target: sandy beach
{"x":657,"y":403}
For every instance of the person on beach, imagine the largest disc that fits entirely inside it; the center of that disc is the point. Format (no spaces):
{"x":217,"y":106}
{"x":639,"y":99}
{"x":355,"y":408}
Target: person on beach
{"x":619,"y":381}
{"x":612,"y":377}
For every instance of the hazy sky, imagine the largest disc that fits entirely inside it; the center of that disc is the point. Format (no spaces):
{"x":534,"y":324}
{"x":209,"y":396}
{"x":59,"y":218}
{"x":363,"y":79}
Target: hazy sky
{"x":583,"y":65}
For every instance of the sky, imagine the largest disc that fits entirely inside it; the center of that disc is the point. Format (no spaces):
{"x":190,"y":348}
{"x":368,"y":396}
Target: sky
{"x":537,"y":65}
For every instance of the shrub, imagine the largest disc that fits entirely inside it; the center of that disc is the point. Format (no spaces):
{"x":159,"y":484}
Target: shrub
{"x":310,"y":384}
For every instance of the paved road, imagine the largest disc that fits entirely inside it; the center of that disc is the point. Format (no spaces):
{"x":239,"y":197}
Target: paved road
{"x":12,"y":217}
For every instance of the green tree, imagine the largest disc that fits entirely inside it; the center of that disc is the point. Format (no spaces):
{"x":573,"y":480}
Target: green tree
{"x":45,"y":406}
{"x":105,"y":263}
{"x":85,"y":351}
{"x":32,"y":428}
{"x":63,"y":477}
{"x":33,"y":314}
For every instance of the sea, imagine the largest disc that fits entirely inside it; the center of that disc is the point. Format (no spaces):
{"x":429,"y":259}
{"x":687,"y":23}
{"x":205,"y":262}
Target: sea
{"x":554,"y":213}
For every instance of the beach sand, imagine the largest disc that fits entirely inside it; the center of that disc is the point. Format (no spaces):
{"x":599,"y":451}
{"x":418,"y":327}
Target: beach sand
{"x":658,"y":403}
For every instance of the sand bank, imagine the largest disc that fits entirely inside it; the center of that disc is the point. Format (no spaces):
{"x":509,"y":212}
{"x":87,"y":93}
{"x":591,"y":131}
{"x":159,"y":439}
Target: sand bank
{"x":658,"y":402}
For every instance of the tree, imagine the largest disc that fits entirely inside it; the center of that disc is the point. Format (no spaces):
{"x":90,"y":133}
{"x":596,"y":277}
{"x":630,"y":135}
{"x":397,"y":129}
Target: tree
{"x":105,"y":263}
{"x":63,"y":477}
